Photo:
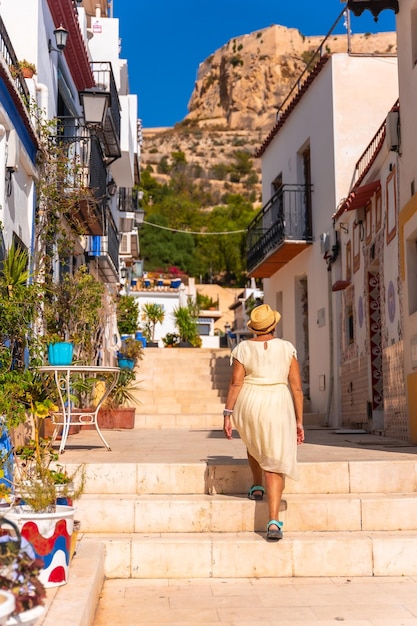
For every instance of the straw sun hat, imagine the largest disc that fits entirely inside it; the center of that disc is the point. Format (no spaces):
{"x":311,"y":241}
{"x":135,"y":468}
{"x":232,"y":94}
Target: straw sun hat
{"x":263,"y":319}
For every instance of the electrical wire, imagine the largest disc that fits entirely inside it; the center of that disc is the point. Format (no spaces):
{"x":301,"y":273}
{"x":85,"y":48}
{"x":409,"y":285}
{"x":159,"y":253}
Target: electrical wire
{"x":193,"y":232}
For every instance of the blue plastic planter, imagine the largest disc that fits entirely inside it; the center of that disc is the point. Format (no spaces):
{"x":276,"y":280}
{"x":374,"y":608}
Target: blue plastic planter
{"x":60,"y":353}
{"x":126,"y":364}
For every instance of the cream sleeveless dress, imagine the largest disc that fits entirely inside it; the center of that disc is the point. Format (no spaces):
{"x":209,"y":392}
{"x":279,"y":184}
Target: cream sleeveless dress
{"x":264,"y":411}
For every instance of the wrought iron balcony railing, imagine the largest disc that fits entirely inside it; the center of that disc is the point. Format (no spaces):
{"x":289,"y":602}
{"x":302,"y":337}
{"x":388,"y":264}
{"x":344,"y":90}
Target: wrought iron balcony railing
{"x":10,"y":58}
{"x":110,"y":135}
{"x":85,"y":169}
{"x":105,"y":249}
{"x":285,"y":217}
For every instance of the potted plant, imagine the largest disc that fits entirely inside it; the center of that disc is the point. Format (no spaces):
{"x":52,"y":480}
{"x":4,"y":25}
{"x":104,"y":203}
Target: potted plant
{"x":23,"y":68}
{"x":186,"y":321}
{"x":118,"y":410}
{"x":152,"y":314}
{"x":74,"y":312}
{"x":20,"y":302}
{"x":28,"y":69}
{"x":39,"y":485}
{"x":131,"y":351}
{"x":19,"y":577}
{"x":170,"y":340}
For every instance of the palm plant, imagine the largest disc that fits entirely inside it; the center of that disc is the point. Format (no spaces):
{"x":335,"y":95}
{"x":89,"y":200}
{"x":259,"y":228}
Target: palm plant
{"x":186,"y":321}
{"x":153,"y":314}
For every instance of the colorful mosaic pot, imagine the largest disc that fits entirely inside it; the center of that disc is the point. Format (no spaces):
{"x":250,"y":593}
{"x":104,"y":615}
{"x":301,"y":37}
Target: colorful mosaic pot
{"x":49,"y":534}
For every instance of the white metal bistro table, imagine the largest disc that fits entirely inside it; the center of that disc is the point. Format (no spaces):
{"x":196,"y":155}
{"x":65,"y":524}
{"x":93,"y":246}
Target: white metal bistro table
{"x":65,"y":376}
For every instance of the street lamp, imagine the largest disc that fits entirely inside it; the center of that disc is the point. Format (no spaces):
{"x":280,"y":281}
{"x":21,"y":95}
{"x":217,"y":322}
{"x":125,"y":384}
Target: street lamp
{"x":95,"y":104}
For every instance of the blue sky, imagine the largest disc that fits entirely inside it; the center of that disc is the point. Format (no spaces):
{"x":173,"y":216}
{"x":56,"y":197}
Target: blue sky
{"x":166,"y":40}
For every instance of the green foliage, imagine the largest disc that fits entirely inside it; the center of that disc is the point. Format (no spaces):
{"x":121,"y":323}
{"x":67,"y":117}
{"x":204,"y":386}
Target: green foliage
{"x":219,"y":171}
{"x":243,"y":162}
{"x":127,"y":315}
{"x":236,"y":60}
{"x":163,"y":166}
{"x":123,"y":393}
{"x":170,"y":339}
{"x":153,"y":314}
{"x":186,"y":322}
{"x":177,"y":206}
{"x":132,"y":349}
{"x":20,"y":305}
{"x":205,"y":302}
{"x":74,"y":312}
{"x":310,"y":58}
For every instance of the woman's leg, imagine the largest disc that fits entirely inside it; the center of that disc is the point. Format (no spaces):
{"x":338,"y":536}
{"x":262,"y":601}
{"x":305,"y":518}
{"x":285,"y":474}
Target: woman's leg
{"x":256,"y":470}
{"x":275,"y":484}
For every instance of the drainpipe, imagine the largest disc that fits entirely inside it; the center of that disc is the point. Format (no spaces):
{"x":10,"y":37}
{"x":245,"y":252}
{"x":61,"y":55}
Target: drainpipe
{"x":330,"y":258}
{"x":331,"y":365}
{"x":43,"y":99}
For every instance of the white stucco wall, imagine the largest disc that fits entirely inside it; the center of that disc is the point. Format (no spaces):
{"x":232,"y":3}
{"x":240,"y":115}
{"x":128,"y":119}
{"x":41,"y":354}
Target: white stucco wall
{"x":336,"y":117}
{"x":406,"y":22}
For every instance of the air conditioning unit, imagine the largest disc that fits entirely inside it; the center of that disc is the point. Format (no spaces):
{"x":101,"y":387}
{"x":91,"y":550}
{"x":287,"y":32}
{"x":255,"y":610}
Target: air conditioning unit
{"x":393,"y":131}
{"x":13,"y":151}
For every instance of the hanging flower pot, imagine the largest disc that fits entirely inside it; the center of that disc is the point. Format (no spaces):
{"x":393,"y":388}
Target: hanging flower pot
{"x":60,"y":353}
{"x":126,"y":364}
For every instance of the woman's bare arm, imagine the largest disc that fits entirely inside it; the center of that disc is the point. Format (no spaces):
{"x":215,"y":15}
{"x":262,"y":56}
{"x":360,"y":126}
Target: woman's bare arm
{"x":294,"y":381}
{"x":235,"y":385}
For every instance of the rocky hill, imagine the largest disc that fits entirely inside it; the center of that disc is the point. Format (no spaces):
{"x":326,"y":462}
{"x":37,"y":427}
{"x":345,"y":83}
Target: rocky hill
{"x":235,"y":99}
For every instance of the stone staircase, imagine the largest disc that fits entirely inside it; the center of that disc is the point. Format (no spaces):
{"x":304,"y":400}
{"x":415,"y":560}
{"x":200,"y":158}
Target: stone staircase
{"x":193,"y":520}
{"x":182,"y":387}
{"x":186,"y":388}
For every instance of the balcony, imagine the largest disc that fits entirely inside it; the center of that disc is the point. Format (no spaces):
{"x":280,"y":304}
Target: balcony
{"x":104,"y":250}
{"x":130,"y":213}
{"x":86,"y":171}
{"x":280,"y":231}
{"x":110,"y":134}
{"x":10,"y":59}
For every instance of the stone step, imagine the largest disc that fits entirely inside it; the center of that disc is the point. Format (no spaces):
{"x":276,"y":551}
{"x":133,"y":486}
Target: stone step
{"x":185,"y":380}
{"x":220,"y":513}
{"x":205,"y":394}
{"x":180,"y":420}
{"x":148,"y":417}
{"x":242,"y":555}
{"x":174,"y":407}
{"x":233,"y":477}
{"x":176,"y":354}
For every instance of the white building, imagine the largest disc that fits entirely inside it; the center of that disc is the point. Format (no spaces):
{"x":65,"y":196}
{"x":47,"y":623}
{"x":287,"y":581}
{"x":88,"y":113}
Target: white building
{"x":85,"y":68}
{"x":406,"y":24}
{"x":308,"y":161}
{"x":371,"y":295}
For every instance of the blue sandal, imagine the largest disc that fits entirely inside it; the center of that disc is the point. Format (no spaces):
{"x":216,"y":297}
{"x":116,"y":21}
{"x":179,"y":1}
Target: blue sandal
{"x":274,"y":534}
{"x":256,"y":496}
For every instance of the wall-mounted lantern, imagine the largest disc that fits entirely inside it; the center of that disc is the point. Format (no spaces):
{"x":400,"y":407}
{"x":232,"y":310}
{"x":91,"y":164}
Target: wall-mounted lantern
{"x":61,"y":37}
{"x":95,"y":104}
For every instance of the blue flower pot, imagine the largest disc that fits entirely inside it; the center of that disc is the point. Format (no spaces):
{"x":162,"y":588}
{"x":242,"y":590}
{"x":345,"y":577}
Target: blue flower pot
{"x":126,"y":364}
{"x":60,"y":353}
